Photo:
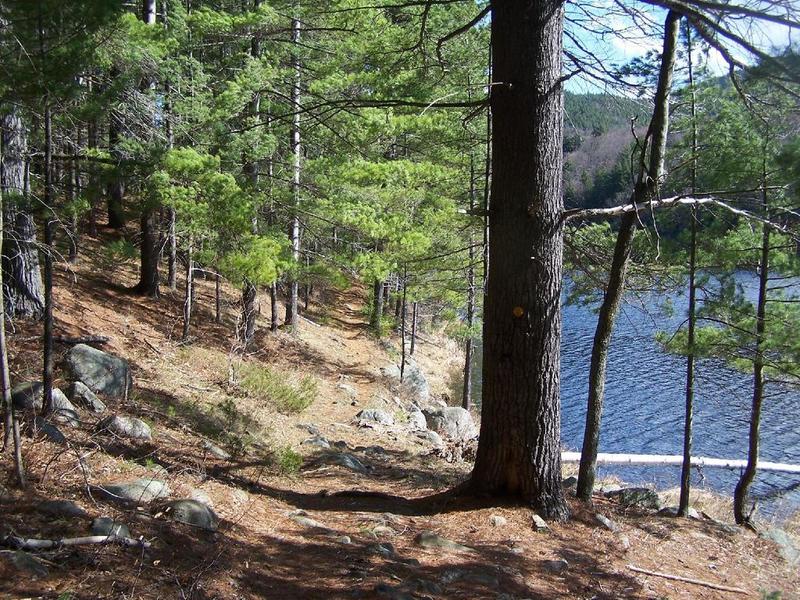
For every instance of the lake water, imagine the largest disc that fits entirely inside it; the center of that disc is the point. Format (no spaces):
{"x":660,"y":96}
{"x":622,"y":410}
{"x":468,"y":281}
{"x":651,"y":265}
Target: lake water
{"x":644,"y":406}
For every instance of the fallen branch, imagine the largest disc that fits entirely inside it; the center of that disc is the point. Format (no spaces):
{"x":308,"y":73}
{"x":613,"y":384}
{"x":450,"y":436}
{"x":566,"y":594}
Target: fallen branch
{"x":708,"y":584}
{"x":83,"y":339}
{"x":20,"y":543}
{"x":604,"y":458}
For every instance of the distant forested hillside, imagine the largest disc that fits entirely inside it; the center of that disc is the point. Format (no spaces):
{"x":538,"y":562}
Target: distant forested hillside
{"x":601,"y":112}
{"x":597,"y":139}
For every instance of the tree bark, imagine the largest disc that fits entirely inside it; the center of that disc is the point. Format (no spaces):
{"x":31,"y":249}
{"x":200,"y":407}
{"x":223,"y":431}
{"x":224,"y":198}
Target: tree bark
{"x":749,"y":473}
{"x":217,"y":298}
{"x":23,"y":290}
{"x":49,"y":249}
{"x":248,"y":313}
{"x":646,"y":185}
{"x":519,"y":449}
{"x":686,"y":468}
{"x":116,"y":187}
{"x":414,"y":307}
{"x":189,"y":293}
{"x":148,"y":271}
{"x":403,"y":327}
{"x":273,"y":303}
{"x":11,"y":425}
{"x":294,"y":229}
{"x":466,"y":395}
{"x":172,"y":258}
{"x":376,"y":318}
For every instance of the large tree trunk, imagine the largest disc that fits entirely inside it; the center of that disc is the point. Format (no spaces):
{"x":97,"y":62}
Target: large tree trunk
{"x":149,"y":253}
{"x":23,"y":291}
{"x":646,"y":185}
{"x":519,"y":451}
{"x":116,"y":188}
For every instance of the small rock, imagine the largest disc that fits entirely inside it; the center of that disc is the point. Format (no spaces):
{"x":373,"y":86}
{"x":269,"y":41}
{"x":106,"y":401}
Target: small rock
{"x":429,"y":539}
{"x":318,"y":441}
{"x":539,"y":524}
{"x":606,"y":522}
{"x":569,"y":483}
{"x":25,"y":562}
{"x":348,"y":461}
{"x":417,"y":421}
{"x":341,"y":539}
{"x":374,"y":415}
{"x":348,"y":390}
{"x":63,"y":410}
{"x":193,"y":513}
{"x":101,"y":372}
{"x":452,"y":422}
{"x":636,"y":496}
{"x":82,"y":395}
{"x":240,"y":496}
{"x":432,"y":437}
{"x":555,"y":566}
{"x":624,"y":542}
{"x":216,"y":451}
{"x":140,"y":491}
{"x":309,"y":522}
{"x":498,"y":521}
{"x":384,"y":549}
{"x":383,"y":531}
{"x":672,"y":511}
{"x":110,"y":527}
{"x":61,"y":508}
{"x":309,"y":427}
{"x":201,"y":496}
{"x":49,"y":430}
{"x":478,"y":577}
{"x":129,"y":427}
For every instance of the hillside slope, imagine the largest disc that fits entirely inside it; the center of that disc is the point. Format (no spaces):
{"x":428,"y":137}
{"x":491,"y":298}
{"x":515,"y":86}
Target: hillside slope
{"x":311,"y":502}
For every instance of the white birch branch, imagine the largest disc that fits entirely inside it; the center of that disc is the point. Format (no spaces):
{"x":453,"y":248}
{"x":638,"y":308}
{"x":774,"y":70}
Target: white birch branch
{"x":37,"y":544}
{"x":605,"y":458}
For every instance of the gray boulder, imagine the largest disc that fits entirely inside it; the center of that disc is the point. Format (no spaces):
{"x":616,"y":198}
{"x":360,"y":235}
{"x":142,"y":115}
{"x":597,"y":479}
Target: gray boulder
{"x":672,"y":511}
{"x":80,"y":394}
{"x":636,"y":496}
{"x":27,"y":396}
{"x":110,"y":527}
{"x":101,"y":372}
{"x":417,"y":420}
{"x":432,"y":437}
{"x":414,"y":380}
{"x":63,"y":410}
{"x":348,"y":461}
{"x":139,"y":491}
{"x":429,"y":539}
{"x":193,"y":513}
{"x":452,"y":422}
{"x":375,"y":415}
{"x":129,"y":427}
{"x":216,"y":451}
{"x":786,"y":547}
{"x":50,"y":431}
{"x":61,"y":508}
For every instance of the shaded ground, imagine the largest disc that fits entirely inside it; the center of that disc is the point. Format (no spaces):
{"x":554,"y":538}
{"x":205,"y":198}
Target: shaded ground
{"x":266,"y":547}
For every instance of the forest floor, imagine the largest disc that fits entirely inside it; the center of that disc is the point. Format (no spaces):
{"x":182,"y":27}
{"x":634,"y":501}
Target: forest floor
{"x":286,"y":530}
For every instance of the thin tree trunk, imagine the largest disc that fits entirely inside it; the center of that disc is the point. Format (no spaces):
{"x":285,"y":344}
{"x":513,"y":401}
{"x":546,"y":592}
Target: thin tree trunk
{"x":413,"y":328}
{"x":519,"y":452}
{"x":116,"y":187}
{"x":248,"y":313}
{"x":273,"y":303}
{"x":686,"y":468}
{"x":646,"y":185}
{"x":749,"y":473}
{"x":376,"y":318}
{"x":23,"y":290}
{"x":217,"y":299}
{"x":172,"y":258}
{"x":47,"y":340}
{"x":403,"y":327}
{"x":11,"y":427}
{"x":189,"y":293}
{"x":294,"y":233}
{"x":74,"y":187}
{"x":466,"y":396}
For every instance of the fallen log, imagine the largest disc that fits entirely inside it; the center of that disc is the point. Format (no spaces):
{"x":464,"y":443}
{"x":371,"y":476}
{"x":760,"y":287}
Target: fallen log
{"x":83,"y":339}
{"x":604,"y":458}
{"x":20,"y":543}
{"x":708,"y":584}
